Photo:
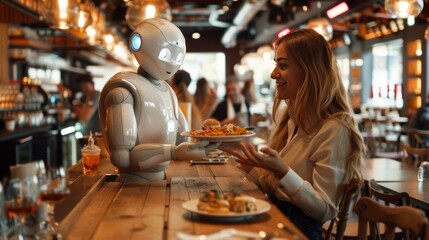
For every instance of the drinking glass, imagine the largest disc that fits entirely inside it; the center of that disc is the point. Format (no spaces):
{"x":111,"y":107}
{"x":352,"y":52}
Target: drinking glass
{"x":21,"y":200}
{"x":54,"y":190}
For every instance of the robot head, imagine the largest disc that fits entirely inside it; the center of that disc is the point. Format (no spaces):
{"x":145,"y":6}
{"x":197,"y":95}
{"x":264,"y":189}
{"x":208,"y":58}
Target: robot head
{"x":159,"y":47}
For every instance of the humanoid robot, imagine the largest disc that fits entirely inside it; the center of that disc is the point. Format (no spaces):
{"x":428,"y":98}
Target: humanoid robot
{"x":139,"y":114}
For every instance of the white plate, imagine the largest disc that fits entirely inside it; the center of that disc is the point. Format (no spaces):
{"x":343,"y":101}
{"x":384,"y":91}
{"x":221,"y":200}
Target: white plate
{"x":230,"y":138}
{"x":261,"y":207}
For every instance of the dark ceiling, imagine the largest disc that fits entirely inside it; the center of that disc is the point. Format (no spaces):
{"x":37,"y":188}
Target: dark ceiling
{"x":263,"y":23}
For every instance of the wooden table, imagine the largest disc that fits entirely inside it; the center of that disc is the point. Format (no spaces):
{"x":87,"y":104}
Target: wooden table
{"x":389,"y":170}
{"x":418,"y":191}
{"x":99,"y":208}
{"x":395,"y":177}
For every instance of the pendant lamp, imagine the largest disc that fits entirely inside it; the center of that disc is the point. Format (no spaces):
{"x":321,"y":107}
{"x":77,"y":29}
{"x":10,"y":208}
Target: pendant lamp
{"x":84,"y":18}
{"x":322,"y":26}
{"x":138,"y":10}
{"x":62,"y":14}
{"x":404,"y":8}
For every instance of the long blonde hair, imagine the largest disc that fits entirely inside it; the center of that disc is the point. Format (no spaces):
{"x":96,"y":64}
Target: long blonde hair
{"x":322,"y":95}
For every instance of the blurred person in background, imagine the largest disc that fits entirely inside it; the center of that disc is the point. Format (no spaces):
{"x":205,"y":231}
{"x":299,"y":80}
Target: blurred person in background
{"x":420,"y":120}
{"x":234,"y":108}
{"x":85,"y":106}
{"x":205,"y":98}
{"x":180,"y":82}
{"x":248,"y":90}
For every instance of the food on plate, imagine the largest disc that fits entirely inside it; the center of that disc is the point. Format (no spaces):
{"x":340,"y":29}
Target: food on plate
{"x":213,"y":201}
{"x":225,"y":130}
{"x":244,"y":204}
{"x":211,"y":124}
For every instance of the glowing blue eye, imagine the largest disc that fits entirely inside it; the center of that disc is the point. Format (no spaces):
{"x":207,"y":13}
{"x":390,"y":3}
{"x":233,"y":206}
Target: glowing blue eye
{"x":136,"y":42}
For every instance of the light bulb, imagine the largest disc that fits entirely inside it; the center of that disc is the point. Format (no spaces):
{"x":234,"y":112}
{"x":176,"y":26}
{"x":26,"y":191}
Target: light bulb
{"x":322,"y":26}
{"x":62,"y":14}
{"x":84,"y":18}
{"x":427,"y":34}
{"x":404,"y":8}
{"x":138,"y":10}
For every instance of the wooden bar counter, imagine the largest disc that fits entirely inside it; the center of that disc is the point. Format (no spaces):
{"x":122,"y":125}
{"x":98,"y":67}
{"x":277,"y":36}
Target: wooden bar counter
{"x":100,"y":208}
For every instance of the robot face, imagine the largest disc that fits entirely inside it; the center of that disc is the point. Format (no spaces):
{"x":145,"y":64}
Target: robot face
{"x":159,"y":47}
{"x":173,"y":57}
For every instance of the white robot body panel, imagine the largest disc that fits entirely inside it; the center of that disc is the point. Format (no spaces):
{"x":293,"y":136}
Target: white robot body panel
{"x":142,"y":119}
{"x":159,"y":123}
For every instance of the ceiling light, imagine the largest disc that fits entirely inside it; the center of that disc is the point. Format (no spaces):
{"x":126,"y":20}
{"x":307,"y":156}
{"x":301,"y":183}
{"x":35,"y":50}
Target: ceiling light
{"x":84,"y":18}
{"x":427,"y":34}
{"x":266,"y":51}
{"x":322,"y":26}
{"x":139,"y":10}
{"x":196,"y":35}
{"x":403,"y":8}
{"x":61,"y":14}
{"x":337,"y":10}
{"x":283,"y":33}
{"x":251,"y":60}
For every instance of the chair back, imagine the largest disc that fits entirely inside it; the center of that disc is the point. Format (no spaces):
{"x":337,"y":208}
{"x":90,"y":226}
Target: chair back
{"x":398,"y":199}
{"x":418,"y":138}
{"x":413,"y":155}
{"x":405,"y":217}
{"x":340,"y":222}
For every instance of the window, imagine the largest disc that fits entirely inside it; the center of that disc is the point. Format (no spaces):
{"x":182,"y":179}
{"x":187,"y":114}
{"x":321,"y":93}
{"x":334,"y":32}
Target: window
{"x":344,"y":65}
{"x":386,"y":87}
{"x":211,"y":65}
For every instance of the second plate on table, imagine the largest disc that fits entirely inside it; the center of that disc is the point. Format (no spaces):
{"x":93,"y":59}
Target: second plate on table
{"x":261,"y":206}
{"x":229,"y":138}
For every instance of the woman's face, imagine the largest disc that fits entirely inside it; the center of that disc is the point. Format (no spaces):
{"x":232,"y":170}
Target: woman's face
{"x":287,"y":74}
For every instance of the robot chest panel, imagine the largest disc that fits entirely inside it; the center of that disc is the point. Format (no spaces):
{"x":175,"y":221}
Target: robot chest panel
{"x":158,"y":123}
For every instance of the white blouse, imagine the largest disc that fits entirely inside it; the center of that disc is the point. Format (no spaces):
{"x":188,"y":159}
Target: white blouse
{"x":317,"y":175}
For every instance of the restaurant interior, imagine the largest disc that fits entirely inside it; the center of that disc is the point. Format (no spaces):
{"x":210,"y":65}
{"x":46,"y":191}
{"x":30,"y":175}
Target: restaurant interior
{"x":381,"y":48}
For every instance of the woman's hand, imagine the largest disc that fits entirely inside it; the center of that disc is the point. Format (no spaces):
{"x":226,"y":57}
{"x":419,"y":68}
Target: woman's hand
{"x":230,"y":147}
{"x":268,"y":159}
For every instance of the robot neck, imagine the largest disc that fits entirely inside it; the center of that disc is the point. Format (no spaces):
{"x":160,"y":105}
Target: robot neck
{"x":145,"y":74}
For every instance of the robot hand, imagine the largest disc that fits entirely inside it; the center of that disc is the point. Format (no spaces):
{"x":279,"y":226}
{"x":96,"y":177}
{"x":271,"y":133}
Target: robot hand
{"x":194,"y":150}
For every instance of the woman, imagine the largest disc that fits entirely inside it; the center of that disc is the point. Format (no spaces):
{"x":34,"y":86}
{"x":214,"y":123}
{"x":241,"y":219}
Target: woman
{"x":180,"y":82}
{"x":205,"y":98}
{"x":315,"y":148}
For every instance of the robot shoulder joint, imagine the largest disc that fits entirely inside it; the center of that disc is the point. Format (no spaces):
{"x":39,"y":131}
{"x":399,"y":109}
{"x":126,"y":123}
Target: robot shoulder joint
{"x":118,"y":96}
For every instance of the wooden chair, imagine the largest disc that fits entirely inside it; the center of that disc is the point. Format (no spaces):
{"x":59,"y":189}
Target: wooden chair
{"x":404,"y":217}
{"x":413,"y":155}
{"x":337,"y":226}
{"x":398,"y":199}
{"x":416,"y":137}
{"x":376,"y":147}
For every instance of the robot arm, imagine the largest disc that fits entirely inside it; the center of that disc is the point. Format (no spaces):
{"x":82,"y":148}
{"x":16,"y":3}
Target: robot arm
{"x":121,"y":126}
{"x":182,"y":126}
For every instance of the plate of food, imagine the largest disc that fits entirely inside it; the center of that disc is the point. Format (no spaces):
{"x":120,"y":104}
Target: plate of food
{"x":231,"y":206}
{"x":212,"y":131}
